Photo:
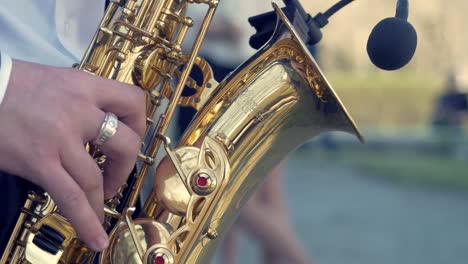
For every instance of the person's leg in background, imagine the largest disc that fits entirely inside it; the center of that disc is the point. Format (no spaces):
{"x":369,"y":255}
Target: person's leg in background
{"x":229,"y":248}
{"x":265,"y":218}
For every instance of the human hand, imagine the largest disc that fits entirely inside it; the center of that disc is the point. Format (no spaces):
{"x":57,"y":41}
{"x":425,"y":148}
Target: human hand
{"x":47,"y":116}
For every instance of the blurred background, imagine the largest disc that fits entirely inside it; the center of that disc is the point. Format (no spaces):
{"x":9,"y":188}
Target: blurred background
{"x":403,"y":196}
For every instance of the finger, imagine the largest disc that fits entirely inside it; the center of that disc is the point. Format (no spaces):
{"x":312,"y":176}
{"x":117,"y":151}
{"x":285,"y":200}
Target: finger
{"x":121,"y":153}
{"x":74,"y":205}
{"x":126,"y":101}
{"x":85,"y":171}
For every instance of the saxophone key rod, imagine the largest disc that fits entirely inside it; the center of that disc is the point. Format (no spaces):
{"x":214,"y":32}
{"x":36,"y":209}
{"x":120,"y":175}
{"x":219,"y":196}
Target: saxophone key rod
{"x":30,"y":213}
{"x":104,"y":22}
{"x":146,"y":159}
{"x":16,"y":231}
{"x":176,"y":95}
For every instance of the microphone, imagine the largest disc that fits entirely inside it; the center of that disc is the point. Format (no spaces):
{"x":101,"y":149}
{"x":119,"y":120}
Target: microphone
{"x":391,"y":44}
{"x":393,"y":41}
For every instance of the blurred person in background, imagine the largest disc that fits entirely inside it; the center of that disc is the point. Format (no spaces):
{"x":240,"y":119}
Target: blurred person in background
{"x":265,"y":216}
{"x":450,"y":115}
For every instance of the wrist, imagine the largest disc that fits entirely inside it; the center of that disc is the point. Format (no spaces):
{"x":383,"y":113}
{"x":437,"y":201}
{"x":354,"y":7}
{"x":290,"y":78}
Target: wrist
{"x":5,"y":72}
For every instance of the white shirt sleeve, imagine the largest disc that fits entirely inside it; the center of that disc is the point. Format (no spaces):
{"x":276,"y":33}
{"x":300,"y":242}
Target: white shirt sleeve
{"x":5,"y":71}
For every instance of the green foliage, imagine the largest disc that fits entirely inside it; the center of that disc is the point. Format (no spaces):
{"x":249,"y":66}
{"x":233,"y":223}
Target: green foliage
{"x":388,"y":99}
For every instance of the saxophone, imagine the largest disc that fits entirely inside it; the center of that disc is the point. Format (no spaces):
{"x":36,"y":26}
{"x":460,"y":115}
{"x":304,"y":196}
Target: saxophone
{"x":271,"y":104}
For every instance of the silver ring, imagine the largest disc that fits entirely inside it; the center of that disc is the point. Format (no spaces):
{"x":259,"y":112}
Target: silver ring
{"x":108,"y":129}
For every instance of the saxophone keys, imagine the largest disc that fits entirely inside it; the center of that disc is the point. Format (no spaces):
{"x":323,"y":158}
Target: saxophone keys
{"x":111,"y":212}
{"x":21,"y":243}
{"x":30,"y":213}
{"x":130,"y":14}
{"x":161,"y":256}
{"x":203,"y":184}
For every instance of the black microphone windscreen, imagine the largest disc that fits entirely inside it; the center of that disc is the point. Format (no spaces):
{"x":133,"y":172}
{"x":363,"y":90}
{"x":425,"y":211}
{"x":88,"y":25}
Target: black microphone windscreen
{"x":392,"y":43}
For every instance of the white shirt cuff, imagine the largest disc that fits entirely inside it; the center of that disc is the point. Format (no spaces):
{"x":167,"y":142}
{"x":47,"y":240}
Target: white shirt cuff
{"x":5,"y":71}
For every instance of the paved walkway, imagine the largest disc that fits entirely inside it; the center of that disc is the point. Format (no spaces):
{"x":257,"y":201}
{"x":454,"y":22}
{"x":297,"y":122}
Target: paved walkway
{"x":344,"y":217}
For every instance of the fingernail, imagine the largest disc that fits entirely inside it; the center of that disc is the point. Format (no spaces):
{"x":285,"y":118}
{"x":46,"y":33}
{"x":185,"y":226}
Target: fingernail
{"x":101,"y":243}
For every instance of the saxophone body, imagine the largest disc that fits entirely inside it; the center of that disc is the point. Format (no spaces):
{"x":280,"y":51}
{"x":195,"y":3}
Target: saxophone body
{"x":245,"y":125}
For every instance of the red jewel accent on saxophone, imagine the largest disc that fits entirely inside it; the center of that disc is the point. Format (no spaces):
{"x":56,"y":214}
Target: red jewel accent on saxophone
{"x":202,"y":181}
{"x":159,"y":260}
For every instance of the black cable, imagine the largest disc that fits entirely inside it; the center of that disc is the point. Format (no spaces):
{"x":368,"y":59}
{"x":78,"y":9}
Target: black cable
{"x":332,"y":10}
